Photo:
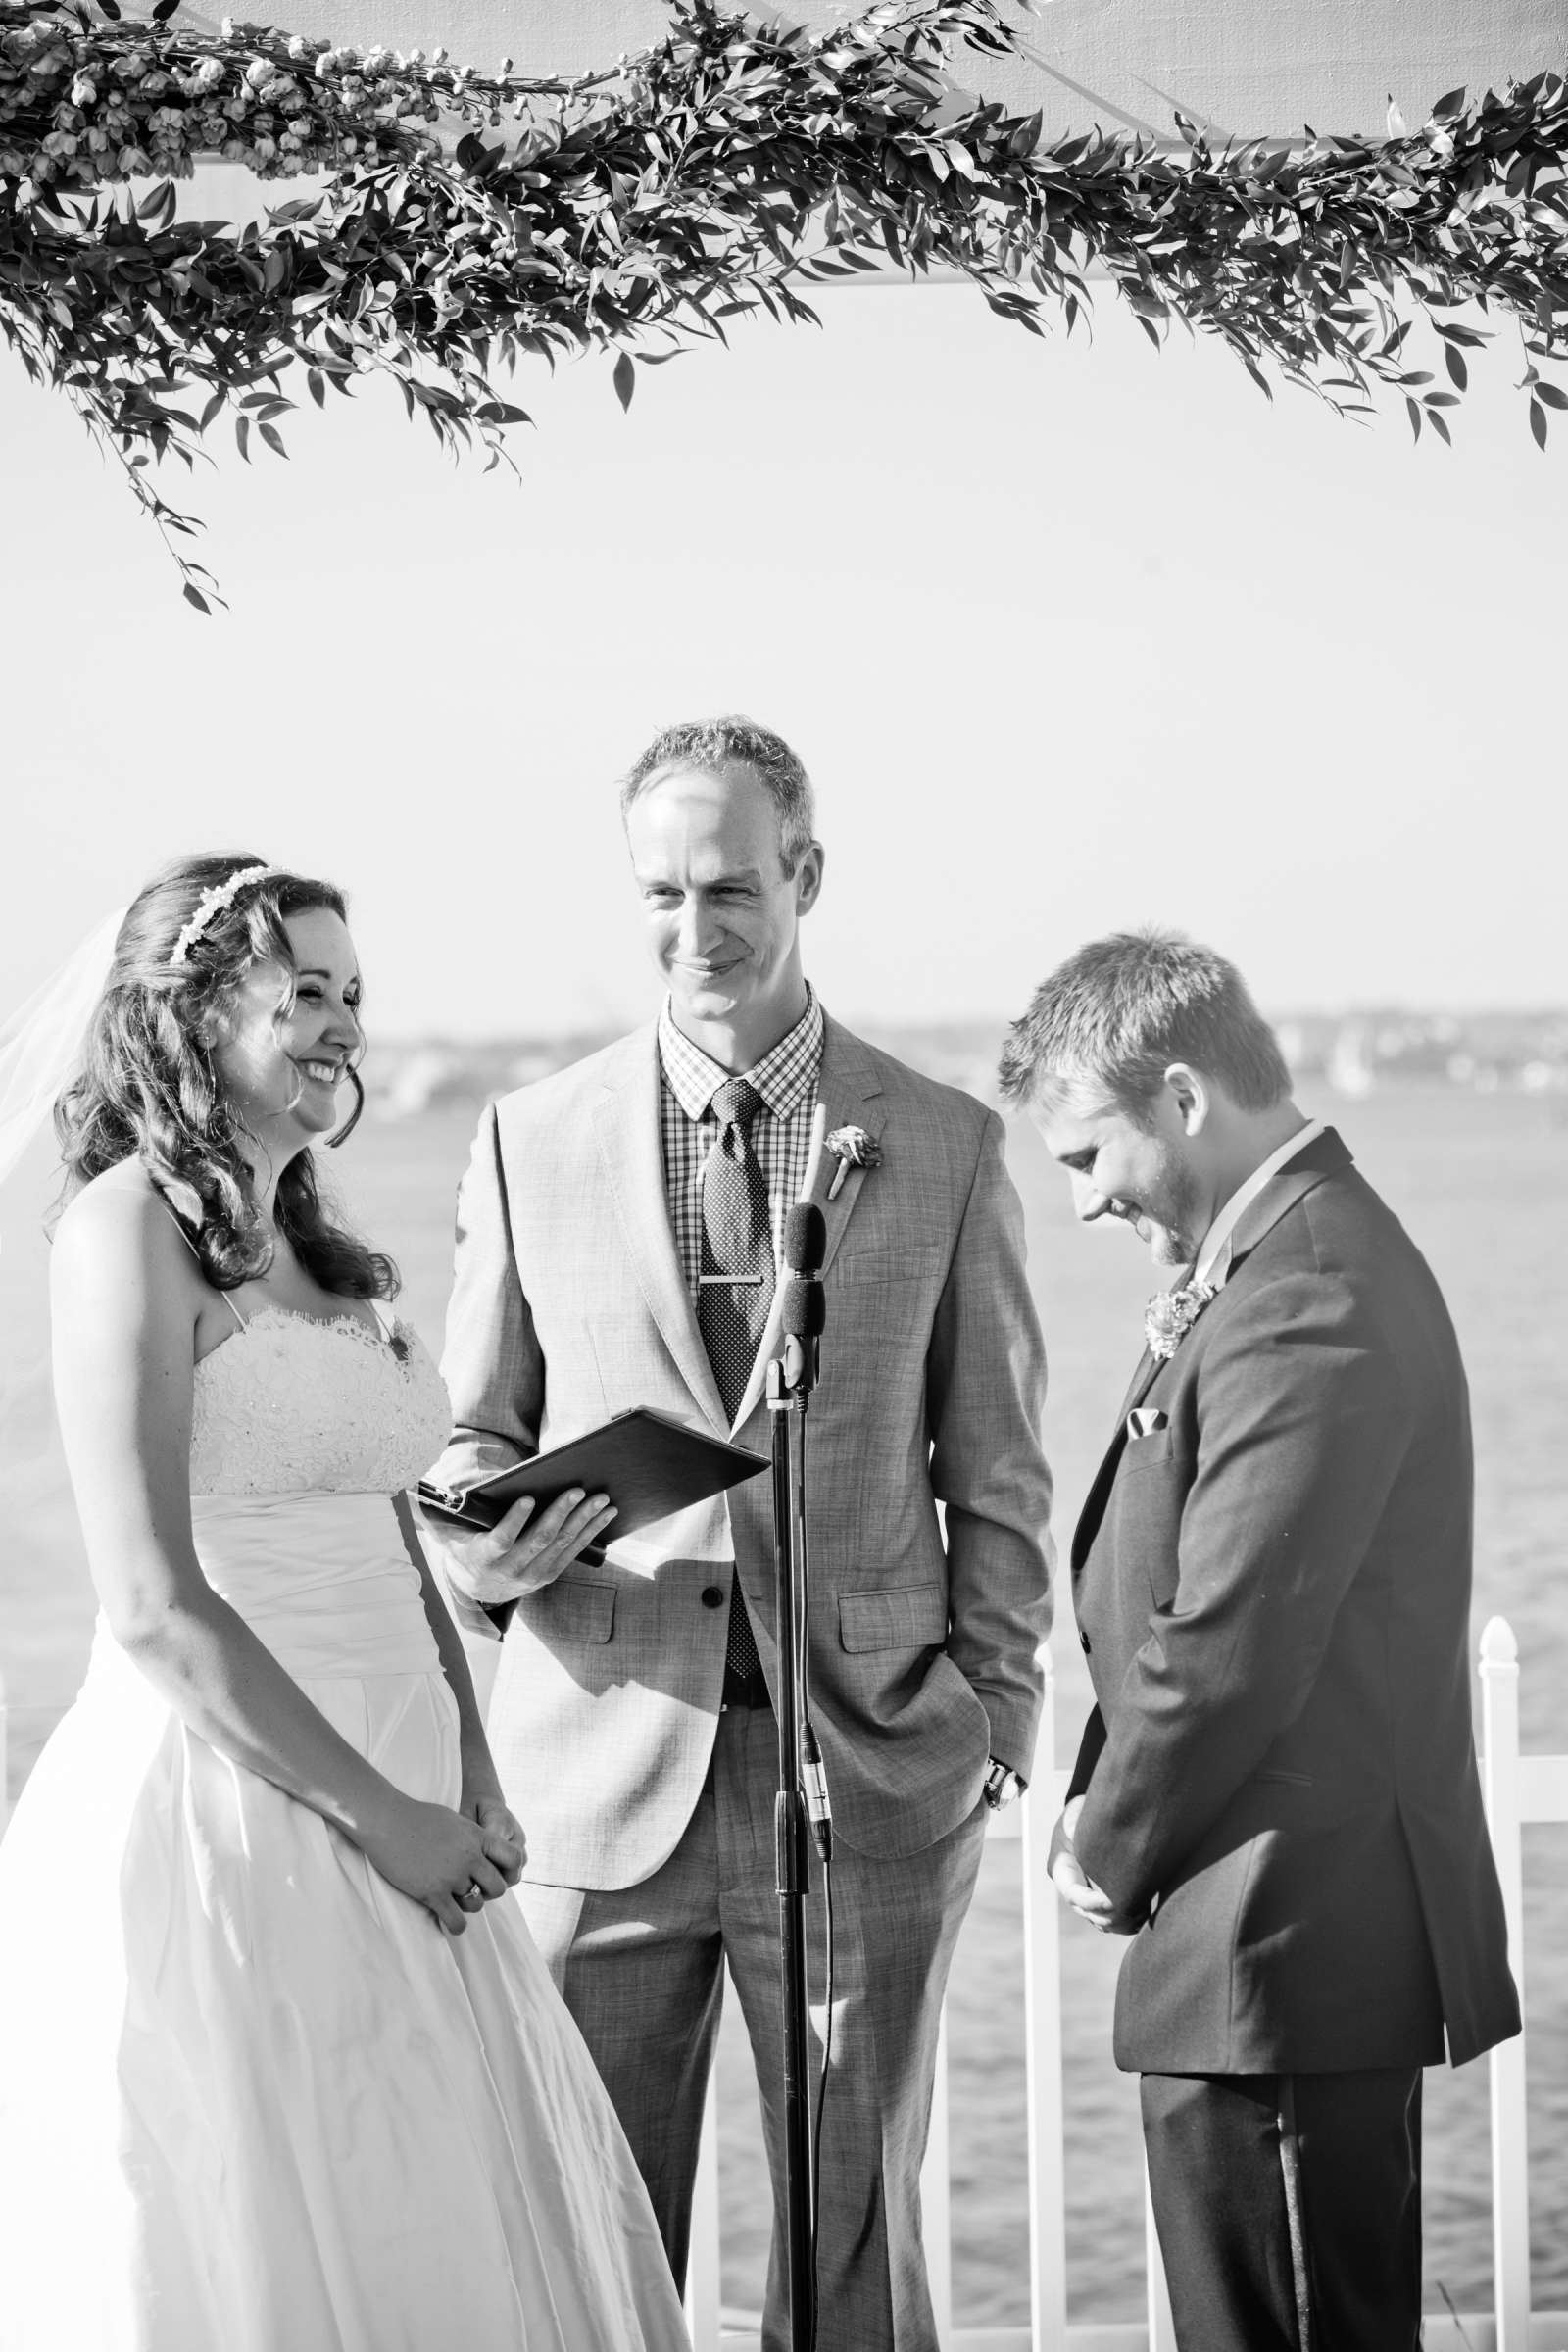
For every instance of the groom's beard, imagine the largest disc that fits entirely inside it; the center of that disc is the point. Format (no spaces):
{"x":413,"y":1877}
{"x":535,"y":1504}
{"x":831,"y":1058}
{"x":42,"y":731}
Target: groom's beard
{"x":1171,"y":1218}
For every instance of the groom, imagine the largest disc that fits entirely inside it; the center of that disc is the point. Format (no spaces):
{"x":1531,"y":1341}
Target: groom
{"x":1276,"y":1795}
{"x":617,"y":1241}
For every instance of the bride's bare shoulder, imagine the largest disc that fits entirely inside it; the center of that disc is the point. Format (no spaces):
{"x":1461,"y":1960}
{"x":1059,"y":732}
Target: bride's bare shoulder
{"x":120,"y":1223}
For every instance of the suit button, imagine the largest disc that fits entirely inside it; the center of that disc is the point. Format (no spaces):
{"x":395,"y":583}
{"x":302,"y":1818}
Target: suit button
{"x":712,"y":1598}
{"x":1083,"y":1644}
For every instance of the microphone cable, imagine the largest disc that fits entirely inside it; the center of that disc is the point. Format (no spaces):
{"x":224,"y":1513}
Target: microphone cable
{"x":822,"y":1839}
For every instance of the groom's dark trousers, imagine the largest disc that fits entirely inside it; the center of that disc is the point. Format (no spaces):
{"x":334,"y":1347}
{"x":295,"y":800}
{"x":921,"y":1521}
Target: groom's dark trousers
{"x":1288,"y":2208}
{"x":1271,"y":1577}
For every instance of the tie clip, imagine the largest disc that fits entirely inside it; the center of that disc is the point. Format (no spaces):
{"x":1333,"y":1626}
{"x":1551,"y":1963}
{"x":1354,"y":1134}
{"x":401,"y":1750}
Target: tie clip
{"x":731,"y":1280}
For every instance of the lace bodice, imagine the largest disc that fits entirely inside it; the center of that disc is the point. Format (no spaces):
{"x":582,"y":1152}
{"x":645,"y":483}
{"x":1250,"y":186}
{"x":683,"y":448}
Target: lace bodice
{"x":293,"y":1406}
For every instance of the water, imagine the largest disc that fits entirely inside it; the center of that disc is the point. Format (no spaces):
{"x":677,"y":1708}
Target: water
{"x":1480,"y":1182}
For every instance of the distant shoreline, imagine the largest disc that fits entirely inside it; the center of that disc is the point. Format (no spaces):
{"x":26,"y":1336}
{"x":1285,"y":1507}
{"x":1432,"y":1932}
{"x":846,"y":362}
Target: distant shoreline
{"x":1353,"y":1052}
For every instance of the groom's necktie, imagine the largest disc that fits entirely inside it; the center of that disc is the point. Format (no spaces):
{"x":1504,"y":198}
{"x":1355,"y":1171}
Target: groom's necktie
{"x":736,"y":1288}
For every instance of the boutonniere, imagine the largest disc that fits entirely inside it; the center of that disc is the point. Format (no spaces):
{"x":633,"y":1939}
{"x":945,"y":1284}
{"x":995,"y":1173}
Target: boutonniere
{"x":851,"y":1147}
{"x":1170,"y":1316}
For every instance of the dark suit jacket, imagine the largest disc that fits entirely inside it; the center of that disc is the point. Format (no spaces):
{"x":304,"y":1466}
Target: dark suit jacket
{"x":1273,"y":1590}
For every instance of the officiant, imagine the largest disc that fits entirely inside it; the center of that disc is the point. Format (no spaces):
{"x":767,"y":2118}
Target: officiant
{"x":618,"y":1242}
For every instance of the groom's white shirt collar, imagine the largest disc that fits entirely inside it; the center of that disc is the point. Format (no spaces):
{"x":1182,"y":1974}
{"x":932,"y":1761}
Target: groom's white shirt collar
{"x":1213,"y":1258}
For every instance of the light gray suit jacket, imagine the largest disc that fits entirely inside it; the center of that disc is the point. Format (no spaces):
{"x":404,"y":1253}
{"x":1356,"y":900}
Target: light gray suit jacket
{"x":569,"y":1304}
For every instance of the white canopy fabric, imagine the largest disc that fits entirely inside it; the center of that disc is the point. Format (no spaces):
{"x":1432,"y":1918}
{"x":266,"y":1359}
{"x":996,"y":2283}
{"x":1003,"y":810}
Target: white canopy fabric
{"x":1249,"y":68}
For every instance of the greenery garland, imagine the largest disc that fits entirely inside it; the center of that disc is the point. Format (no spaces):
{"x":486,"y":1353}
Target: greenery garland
{"x":469,"y":220}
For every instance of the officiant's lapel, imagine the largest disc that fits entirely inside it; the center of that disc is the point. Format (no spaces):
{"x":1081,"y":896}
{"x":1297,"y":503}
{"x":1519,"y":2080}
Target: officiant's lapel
{"x":850,"y":1090}
{"x":628,"y":1125}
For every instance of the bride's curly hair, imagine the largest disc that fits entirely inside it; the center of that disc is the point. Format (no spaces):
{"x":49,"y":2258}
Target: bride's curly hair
{"x":148,"y":1088}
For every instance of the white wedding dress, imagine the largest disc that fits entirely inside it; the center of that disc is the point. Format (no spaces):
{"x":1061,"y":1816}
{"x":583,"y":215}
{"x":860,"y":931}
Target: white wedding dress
{"x":252,"y":2098}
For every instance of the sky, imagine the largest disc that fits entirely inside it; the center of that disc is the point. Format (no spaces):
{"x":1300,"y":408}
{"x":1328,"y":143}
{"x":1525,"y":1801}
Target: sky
{"x":1071,"y":634}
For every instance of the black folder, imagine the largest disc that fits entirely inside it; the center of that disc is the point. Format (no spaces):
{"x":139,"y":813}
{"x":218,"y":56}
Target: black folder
{"x":649,"y":1464}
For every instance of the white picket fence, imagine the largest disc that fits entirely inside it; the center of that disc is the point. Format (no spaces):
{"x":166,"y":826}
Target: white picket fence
{"x":1519,"y":1790}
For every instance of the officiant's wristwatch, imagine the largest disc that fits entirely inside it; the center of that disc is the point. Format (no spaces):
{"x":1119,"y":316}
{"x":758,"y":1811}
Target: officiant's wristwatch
{"x":1003,"y":1785}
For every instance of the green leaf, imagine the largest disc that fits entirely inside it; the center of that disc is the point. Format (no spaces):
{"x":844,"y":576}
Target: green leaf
{"x":191,"y":593}
{"x":1538,"y":423}
{"x":625,"y":379}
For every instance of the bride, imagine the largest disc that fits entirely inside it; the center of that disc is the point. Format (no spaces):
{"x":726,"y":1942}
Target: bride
{"x":281,"y":2070}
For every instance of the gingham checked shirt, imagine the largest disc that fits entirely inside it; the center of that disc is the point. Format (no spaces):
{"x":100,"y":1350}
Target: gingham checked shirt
{"x":785,"y":1078}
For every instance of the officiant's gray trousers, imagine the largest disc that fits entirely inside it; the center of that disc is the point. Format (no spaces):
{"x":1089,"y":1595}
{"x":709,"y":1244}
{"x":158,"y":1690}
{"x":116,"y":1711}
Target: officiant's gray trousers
{"x":641,"y":1970}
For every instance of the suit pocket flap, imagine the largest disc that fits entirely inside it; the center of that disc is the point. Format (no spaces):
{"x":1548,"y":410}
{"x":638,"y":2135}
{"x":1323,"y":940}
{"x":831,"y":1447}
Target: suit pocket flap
{"x":913,"y":1617}
{"x":580,"y":1611}
{"x":1137,"y":1452}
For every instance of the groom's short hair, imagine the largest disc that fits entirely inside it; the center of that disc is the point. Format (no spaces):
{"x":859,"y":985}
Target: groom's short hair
{"x":1117,"y":1014}
{"x":711,"y":744}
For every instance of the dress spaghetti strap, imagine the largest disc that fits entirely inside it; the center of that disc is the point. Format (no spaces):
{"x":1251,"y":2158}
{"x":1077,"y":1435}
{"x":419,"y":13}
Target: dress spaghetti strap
{"x":390,"y":1333}
{"x":226,"y":1295}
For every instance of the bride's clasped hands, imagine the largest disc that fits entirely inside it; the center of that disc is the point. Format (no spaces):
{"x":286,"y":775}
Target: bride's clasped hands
{"x":450,"y":1862}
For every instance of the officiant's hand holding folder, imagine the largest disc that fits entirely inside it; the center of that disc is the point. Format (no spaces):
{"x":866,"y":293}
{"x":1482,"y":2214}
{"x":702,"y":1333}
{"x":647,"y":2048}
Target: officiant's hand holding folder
{"x":650,"y":1465}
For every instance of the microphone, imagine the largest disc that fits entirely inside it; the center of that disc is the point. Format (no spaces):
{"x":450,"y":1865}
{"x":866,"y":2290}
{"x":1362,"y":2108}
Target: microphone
{"x":805,"y":1238}
{"x":803,"y":1316}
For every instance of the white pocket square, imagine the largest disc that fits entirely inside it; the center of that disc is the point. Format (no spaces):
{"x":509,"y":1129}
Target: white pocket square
{"x":1143,"y":1420}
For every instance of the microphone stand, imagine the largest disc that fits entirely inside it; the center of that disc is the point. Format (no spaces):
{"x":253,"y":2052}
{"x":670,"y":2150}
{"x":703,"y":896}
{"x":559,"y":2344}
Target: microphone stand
{"x":791,"y":1377}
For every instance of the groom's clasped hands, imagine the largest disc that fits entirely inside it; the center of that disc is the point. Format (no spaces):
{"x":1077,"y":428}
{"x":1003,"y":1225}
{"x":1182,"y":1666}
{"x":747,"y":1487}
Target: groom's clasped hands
{"x":1073,"y":1883}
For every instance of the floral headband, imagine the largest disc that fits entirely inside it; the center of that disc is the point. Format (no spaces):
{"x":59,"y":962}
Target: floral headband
{"x":212,"y":904}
